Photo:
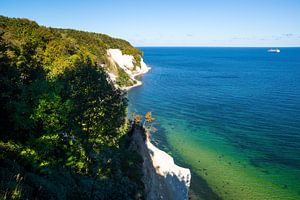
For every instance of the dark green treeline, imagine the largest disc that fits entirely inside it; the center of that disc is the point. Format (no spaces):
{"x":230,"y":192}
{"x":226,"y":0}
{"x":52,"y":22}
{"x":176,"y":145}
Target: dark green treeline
{"x":62,"y":123}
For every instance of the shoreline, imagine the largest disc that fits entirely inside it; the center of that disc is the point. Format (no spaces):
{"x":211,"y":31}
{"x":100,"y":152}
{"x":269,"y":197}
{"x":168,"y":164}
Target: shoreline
{"x":138,"y":82}
{"x":126,"y":62}
{"x":212,"y":175}
{"x":163,"y":178}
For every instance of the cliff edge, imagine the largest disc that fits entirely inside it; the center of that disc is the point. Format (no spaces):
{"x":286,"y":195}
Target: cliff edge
{"x":163,"y":179}
{"x":129,"y":65}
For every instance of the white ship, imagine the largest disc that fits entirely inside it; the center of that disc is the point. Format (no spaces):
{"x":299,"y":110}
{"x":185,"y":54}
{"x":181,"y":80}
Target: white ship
{"x":274,"y":50}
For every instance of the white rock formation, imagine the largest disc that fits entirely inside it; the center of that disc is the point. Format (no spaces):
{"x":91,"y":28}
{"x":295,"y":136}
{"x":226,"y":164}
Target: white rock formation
{"x":126,"y":62}
{"x":177,"y":178}
{"x":112,"y":76}
{"x":163,"y":179}
{"x":143,"y":69}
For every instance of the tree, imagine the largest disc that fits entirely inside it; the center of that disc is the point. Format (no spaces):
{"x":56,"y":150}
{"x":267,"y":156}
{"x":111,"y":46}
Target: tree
{"x":62,"y":122}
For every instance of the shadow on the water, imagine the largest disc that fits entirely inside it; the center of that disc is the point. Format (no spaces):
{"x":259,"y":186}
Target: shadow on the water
{"x":199,"y":189}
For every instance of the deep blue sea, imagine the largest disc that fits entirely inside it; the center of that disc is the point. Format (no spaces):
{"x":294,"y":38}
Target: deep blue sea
{"x":232,"y":115}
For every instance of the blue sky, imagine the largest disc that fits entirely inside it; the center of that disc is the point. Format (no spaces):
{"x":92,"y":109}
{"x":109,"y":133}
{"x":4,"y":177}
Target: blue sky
{"x":171,"y":22}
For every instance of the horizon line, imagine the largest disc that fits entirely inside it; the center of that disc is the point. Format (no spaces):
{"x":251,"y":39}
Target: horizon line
{"x":137,"y":46}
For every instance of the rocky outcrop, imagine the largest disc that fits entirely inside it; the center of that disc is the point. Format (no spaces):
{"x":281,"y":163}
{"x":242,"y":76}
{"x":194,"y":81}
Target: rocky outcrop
{"x":163,"y":179}
{"x":128,"y":64}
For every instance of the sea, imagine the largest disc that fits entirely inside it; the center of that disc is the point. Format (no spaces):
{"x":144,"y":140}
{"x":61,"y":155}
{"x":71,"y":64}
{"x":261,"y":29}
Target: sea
{"x":231,"y":115}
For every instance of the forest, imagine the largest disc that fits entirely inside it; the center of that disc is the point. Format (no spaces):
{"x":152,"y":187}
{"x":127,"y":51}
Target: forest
{"x":63,"y":123}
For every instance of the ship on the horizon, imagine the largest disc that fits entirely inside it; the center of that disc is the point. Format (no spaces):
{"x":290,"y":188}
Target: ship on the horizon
{"x":274,"y":50}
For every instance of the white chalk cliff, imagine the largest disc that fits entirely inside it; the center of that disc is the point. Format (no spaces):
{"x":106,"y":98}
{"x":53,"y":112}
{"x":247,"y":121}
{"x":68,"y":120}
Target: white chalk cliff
{"x":163,"y":179}
{"x":177,"y":178}
{"x":127,"y":63}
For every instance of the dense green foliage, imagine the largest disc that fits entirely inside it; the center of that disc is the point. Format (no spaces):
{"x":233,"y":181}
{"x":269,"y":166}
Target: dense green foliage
{"x":62,"y":122}
{"x":58,"y":49}
{"x":123,"y":79}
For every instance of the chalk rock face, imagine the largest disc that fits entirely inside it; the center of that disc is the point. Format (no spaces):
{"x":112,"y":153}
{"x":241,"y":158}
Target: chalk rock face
{"x":127,"y":63}
{"x":112,"y":76}
{"x":163,"y":179}
{"x":143,"y":69}
{"x":177,"y":178}
{"x":124,"y":61}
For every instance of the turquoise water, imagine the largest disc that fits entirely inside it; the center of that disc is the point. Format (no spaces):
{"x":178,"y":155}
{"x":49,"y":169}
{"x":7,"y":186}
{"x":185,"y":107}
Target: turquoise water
{"x":232,"y":115}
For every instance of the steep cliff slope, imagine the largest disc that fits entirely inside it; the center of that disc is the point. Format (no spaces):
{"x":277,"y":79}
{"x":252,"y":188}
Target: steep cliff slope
{"x":127,"y":64}
{"x":163,"y":179}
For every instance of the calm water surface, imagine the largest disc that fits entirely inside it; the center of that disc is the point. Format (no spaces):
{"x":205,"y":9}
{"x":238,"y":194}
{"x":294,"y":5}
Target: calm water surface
{"x":232,"y":115}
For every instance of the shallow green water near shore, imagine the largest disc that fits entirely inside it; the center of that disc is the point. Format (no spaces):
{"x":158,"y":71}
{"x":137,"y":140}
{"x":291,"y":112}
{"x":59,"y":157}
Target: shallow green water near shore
{"x":226,"y":171}
{"x":229,"y":114}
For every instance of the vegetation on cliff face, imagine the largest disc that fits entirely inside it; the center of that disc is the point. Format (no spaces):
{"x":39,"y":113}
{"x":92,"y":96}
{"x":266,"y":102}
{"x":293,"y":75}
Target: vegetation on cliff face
{"x":62,"y":122}
{"x":123,"y":79}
